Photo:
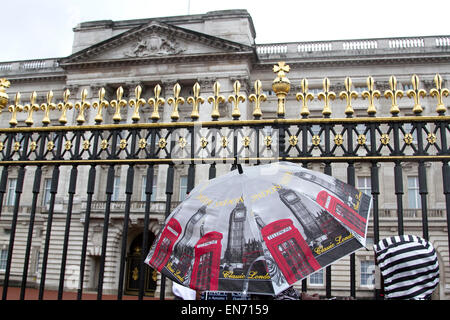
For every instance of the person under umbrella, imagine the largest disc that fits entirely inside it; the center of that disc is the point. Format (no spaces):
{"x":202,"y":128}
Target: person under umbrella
{"x":260,"y":229}
{"x":409,"y":267}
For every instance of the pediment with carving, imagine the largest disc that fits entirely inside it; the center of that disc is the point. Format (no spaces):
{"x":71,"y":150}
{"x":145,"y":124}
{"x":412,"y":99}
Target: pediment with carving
{"x":155,"y":40}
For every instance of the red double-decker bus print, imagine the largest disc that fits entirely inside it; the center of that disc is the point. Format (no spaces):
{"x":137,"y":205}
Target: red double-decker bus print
{"x":165,"y":245}
{"x":342,"y":212}
{"x":289,"y":249}
{"x":205,"y":272}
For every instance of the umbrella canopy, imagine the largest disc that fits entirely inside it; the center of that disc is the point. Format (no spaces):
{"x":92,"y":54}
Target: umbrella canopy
{"x":260,"y":230}
{"x":409,"y":266}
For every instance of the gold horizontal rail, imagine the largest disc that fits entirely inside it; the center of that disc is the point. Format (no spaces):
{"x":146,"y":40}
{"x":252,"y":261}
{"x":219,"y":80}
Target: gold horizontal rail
{"x":434,"y":158}
{"x":231,"y":123}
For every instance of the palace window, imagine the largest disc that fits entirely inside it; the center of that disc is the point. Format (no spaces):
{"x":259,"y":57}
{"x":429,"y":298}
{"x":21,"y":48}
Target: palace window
{"x":364,"y":185}
{"x":413,"y":193}
{"x":12,"y":183}
{"x":367,"y":273}
{"x":144,"y":183}
{"x":3,"y":259}
{"x":116,"y":190}
{"x":316,"y":279}
{"x":183,"y":187}
{"x":46,"y":196}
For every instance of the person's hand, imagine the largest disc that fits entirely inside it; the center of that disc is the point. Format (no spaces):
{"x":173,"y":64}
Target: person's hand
{"x":305,"y":296}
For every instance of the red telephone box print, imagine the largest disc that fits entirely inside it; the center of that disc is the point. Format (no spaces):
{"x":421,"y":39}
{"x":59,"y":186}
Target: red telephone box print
{"x":205,"y":272}
{"x":289,"y":249}
{"x":165,"y":244}
{"x":342,"y":212}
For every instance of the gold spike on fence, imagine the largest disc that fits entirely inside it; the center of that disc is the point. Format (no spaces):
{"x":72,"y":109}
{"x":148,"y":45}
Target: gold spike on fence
{"x":258,"y":101}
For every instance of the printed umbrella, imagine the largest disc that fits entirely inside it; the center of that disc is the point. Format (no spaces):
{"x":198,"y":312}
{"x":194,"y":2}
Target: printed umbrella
{"x":260,"y":229}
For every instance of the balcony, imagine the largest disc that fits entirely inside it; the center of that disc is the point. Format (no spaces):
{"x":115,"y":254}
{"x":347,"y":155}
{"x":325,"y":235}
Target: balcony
{"x":413,"y":213}
{"x":354,"y":48}
{"x":29,"y":66}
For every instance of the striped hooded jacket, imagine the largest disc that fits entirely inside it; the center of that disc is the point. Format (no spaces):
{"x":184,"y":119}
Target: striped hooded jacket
{"x":409,"y":267}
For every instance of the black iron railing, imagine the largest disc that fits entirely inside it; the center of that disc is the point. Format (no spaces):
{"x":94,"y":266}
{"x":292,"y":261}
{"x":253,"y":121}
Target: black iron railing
{"x":148,"y":146}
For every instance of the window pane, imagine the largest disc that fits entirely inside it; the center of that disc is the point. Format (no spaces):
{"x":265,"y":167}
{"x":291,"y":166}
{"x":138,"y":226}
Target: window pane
{"x":3,"y":259}
{"x":316,"y":278}
{"x":413,"y":193}
{"x":46,"y":197}
{"x":115,"y":195}
{"x":11,"y":191}
{"x":183,"y":187}
{"x":367,"y":273}
{"x":144,"y":183}
{"x":364,"y":185}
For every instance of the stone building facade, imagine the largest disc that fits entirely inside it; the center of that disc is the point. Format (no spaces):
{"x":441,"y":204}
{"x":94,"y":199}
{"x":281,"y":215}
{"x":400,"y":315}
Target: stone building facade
{"x":207,"y":48}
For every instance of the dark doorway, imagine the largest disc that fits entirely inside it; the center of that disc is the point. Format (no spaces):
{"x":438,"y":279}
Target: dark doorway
{"x":134,"y":265}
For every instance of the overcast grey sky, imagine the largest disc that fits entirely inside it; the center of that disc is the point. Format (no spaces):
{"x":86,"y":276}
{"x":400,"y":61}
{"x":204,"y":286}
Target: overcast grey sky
{"x":43,"y":28}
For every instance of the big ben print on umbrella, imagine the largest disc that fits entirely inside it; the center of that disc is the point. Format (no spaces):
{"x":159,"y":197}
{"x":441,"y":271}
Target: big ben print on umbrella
{"x":260,"y":229}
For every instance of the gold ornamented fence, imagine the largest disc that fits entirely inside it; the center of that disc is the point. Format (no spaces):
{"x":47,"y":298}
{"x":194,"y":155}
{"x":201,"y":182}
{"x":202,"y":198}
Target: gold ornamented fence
{"x":38,"y":142}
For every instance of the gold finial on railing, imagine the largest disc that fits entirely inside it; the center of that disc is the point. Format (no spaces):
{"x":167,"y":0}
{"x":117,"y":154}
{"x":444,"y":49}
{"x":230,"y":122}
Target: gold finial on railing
{"x":393,"y":93}
{"x":156,"y":102}
{"x":4,"y":98}
{"x":439,"y":93}
{"x":257,"y":97}
{"x":216,"y":100}
{"x":348,"y":94}
{"x":416,"y":93}
{"x":175,"y":101}
{"x":326,"y":95}
{"x":235,"y":99}
{"x":281,"y":86}
{"x":82,"y":106}
{"x":195,"y":100}
{"x":370,"y":94}
{"x":304,"y":96}
{"x":136,"y":103}
{"x":118,"y":103}
{"x":16,"y":107}
{"x":30,"y":108}
{"x":99,"y":105}
{"x":64,"y":106}
{"x":46,"y":107}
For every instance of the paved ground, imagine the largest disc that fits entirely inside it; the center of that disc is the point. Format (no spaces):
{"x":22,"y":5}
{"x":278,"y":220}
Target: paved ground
{"x":32,"y":294}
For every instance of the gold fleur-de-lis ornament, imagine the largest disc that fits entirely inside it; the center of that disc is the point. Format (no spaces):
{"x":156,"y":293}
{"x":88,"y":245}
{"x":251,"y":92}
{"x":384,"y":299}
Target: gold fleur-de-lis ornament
{"x":371,"y":94}
{"x":416,"y":93}
{"x":156,"y":102}
{"x":394,"y":94}
{"x":216,"y":100}
{"x":236,"y":98}
{"x":257,"y":98}
{"x":326,"y":95}
{"x":46,"y":107}
{"x":348,"y":95}
{"x":136,"y":103}
{"x":196,"y":101}
{"x":16,"y":107}
{"x":64,"y":106}
{"x":82,"y":106}
{"x":175,"y":101}
{"x":439,"y":93}
{"x":100,"y":105}
{"x":118,"y":104}
{"x":304,"y":96}
{"x":30,"y":108}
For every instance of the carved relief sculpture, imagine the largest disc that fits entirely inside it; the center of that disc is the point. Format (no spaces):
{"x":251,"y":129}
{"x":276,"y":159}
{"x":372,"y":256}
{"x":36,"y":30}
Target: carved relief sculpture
{"x":154,"y":45}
